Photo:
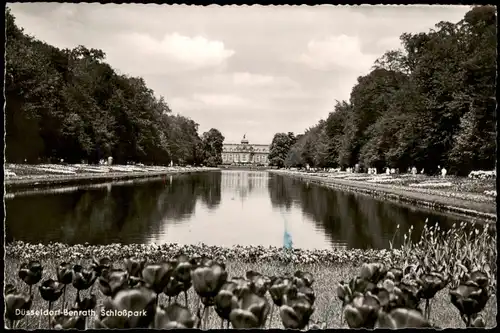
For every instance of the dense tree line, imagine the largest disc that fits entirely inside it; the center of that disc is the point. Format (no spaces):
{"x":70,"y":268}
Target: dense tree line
{"x":430,"y":103}
{"x":71,"y":105}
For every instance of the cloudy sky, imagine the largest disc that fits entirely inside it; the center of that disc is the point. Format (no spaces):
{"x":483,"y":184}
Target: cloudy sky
{"x":256,"y":70}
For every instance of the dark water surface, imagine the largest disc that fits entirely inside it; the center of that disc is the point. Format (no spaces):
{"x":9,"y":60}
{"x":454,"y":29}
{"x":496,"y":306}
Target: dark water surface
{"x":217,"y":208}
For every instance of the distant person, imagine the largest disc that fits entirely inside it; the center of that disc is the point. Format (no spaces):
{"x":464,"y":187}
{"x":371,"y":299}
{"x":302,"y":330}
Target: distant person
{"x":387,"y":171}
{"x":414,"y":171}
{"x":443,"y":172}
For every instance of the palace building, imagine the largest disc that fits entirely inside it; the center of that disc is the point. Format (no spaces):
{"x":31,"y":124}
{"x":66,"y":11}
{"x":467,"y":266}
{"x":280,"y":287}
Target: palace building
{"x":245,"y":153}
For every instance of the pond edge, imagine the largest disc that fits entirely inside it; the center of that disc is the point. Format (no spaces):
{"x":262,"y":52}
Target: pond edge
{"x":385,"y":193}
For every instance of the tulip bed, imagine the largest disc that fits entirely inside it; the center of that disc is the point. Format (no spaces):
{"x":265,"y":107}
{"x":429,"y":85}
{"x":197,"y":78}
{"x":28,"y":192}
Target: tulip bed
{"x":256,"y":286}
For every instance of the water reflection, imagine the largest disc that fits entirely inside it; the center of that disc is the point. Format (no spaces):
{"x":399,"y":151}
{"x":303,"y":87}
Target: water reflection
{"x":350,"y":220}
{"x":217,"y":208}
{"x":126,"y":212}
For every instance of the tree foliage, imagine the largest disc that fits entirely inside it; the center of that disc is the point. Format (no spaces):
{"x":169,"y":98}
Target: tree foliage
{"x":212,"y":144}
{"x":280,"y":147}
{"x":71,"y":105}
{"x":430,"y":103}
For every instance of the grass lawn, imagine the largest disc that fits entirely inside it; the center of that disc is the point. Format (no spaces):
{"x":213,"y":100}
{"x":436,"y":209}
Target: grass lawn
{"x":327,"y":306}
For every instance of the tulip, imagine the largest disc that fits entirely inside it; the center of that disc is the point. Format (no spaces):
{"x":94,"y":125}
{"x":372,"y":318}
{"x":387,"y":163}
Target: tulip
{"x":200,"y":261}
{"x":113,"y":281}
{"x":156,"y":276}
{"x":134,"y":282}
{"x":388,"y":285}
{"x":469,"y":299}
{"x":101,"y":265}
{"x":31,"y":273}
{"x":361,"y":285}
{"x":181,"y":281}
{"x":82,"y":279}
{"x":372,"y":272}
{"x":207,"y":282}
{"x":260,"y":283}
{"x":223,"y":300}
{"x":308,"y":292}
{"x":344,"y":293}
{"x":183,"y":269}
{"x":402,"y":318}
{"x":296,"y":309}
{"x":481,"y":278}
{"x":408,"y":295}
{"x":362,"y":311}
{"x":64,"y":276}
{"x":242,"y":284}
{"x":134,"y":266}
{"x":173,"y":288}
{"x":395,"y":274}
{"x":279,"y":287}
{"x":51,"y":291}
{"x":64,"y":321}
{"x":382,"y":295}
{"x":138,"y":299}
{"x":64,"y":273}
{"x":173,"y":316}
{"x":303,"y":279}
{"x":249,"y":310}
{"x":86,"y":303}
{"x":16,"y":304}
{"x":430,"y":284}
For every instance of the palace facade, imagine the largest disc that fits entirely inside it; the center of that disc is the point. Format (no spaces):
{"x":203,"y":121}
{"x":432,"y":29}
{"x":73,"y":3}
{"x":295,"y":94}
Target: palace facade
{"x":245,"y":153}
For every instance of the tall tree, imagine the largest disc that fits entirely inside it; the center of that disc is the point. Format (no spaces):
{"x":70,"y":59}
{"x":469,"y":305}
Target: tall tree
{"x":212,"y":144}
{"x":280,"y":146}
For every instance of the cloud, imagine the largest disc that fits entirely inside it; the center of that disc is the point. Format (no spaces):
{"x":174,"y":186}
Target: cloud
{"x":336,"y":52}
{"x":249,"y":79}
{"x":174,"y":52}
{"x":196,"y":51}
{"x":220,"y":99}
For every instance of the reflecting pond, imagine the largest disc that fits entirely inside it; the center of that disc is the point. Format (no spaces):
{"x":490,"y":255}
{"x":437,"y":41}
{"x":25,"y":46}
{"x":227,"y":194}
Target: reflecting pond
{"x":218,"y":208}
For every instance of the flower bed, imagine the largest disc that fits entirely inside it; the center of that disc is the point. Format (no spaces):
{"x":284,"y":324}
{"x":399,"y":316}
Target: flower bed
{"x":481,"y":174}
{"x":385,"y":179}
{"x":431,"y":184}
{"x":267,"y":274}
{"x":56,"y":170}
